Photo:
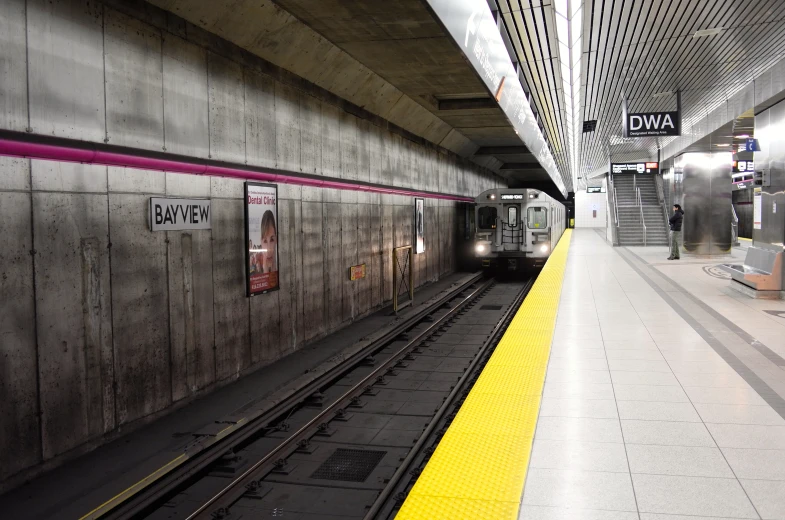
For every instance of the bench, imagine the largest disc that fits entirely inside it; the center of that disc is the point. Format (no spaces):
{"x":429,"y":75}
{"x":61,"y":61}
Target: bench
{"x":762,"y":270}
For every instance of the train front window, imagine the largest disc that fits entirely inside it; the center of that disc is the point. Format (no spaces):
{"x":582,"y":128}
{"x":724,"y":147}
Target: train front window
{"x":512,"y":216}
{"x":486,"y":217}
{"x":537,"y":217}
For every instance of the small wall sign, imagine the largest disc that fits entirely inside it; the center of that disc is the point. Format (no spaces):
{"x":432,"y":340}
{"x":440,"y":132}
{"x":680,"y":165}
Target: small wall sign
{"x":179,"y":214}
{"x":356,"y":272}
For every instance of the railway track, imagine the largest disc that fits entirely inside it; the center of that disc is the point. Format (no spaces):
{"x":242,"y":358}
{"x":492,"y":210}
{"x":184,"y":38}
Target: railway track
{"x":349,"y":444}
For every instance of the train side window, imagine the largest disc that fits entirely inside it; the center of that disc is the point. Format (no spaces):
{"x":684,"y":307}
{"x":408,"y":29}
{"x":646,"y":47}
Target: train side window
{"x":486,"y":217}
{"x":537,"y":217}
{"x":512,"y":216}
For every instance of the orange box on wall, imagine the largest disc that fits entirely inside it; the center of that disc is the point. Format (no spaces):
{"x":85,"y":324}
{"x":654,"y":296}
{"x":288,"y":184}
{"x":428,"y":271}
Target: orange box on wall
{"x":356,"y":272}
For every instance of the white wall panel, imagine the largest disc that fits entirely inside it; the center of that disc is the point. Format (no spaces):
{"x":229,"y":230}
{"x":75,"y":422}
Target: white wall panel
{"x":134,"y":83}
{"x":73,"y":314}
{"x":287,"y":127}
{"x":19,"y":420}
{"x":13,"y":66}
{"x":260,"y":119}
{"x":227,"y":109}
{"x":66,"y":68}
{"x":60,"y":176}
{"x":585,"y":206}
{"x":185,"y":97}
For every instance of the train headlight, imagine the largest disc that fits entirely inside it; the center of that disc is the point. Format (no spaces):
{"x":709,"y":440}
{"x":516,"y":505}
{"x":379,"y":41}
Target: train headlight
{"x":480,"y":248}
{"x":544,"y":248}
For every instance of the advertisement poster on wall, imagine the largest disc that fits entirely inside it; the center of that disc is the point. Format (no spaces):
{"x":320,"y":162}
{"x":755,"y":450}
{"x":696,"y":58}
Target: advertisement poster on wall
{"x":757,"y":209}
{"x":261,"y":238}
{"x":419,"y":226}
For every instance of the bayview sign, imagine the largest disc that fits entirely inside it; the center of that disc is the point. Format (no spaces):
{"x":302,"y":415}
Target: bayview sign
{"x":179,"y":214}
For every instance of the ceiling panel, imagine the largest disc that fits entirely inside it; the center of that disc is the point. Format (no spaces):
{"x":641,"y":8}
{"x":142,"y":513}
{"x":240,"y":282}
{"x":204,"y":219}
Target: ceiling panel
{"x":530,"y":26}
{"x":639,"y":48}
{"x":663,"y":56}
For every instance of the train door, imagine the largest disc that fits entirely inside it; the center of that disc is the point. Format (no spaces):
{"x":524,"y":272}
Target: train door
{"x":537,"y":224}
{"x":512,"y":231}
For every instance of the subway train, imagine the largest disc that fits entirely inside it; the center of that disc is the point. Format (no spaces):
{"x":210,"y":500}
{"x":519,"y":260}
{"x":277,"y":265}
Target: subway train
{"x":516,"y":229}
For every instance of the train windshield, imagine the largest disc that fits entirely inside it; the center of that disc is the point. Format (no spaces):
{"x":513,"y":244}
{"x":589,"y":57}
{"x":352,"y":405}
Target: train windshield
{"x":537,"y":217}
{"x":486,"y":217}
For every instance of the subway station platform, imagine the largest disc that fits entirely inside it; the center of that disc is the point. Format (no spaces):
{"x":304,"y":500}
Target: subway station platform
{"x":664,"y":398}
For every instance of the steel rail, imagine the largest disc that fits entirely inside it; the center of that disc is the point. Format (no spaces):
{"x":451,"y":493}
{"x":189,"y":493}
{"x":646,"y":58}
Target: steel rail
{"x":220,"y":503}
{"x":122,"y":507}
{"x":459,"y":387}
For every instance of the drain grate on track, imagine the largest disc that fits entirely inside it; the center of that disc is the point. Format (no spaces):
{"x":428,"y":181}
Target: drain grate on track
{"x":349,"y":465}
{"x":490,"y":307}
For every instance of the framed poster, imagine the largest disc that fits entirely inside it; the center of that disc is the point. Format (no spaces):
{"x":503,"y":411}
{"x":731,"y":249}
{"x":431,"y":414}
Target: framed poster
{"x":261,"y":238}
{"x":419,"y":226}
{"x":757,"y":209}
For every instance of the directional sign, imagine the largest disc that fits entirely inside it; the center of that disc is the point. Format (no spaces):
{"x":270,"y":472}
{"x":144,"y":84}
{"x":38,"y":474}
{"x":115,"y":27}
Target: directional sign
{"x":640,"y":167}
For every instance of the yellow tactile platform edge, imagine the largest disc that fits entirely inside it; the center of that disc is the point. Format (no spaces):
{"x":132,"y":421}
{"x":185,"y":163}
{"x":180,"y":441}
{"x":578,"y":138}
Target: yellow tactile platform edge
{"x":479,"y":468}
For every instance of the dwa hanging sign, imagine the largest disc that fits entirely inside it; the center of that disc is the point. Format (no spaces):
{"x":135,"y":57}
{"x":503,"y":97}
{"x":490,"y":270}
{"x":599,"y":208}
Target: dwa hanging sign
{"x":649,"y":124}
{"x":652,"y":124}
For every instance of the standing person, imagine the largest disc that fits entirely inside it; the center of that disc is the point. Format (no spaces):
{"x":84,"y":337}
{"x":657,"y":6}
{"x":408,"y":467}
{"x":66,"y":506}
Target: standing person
{"x":675,"y":222}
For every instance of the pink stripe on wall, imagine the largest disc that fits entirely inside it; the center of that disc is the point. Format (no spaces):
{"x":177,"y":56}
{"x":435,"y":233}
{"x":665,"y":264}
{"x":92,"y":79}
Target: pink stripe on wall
{"x":86,"y":155}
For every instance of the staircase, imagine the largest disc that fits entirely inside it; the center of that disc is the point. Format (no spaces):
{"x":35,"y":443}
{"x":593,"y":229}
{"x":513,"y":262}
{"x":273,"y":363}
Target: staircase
{"x":629,"y":214}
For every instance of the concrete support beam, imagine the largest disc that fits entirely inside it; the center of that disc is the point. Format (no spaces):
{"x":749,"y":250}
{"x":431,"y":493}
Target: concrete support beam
{"x":521,"y":166}
{"x":467,"y":104}
{"x":502,"y":150}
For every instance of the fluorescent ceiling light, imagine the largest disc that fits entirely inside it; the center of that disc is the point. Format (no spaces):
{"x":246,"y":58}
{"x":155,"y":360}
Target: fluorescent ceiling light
{"x":565,"y":72}
{"x":722,"y":144}
{"x":743,"y":136}
{"x":562,"y":29}
{"x":563,"y":51}
{"x":662,"y":94}
{"x":707,"y":32}
{"x":577,"y":20}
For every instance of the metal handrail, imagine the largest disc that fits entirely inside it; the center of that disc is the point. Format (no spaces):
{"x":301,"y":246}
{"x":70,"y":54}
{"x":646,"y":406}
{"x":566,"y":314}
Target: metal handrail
{"x":639,"y":200}
{"x":734,"y":226}
{"x":615,"y":207}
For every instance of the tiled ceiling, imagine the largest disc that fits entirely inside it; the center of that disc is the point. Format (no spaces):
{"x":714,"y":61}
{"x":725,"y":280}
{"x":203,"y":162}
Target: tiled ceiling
{"x":636,"y":49}
{"x":530,"y":27}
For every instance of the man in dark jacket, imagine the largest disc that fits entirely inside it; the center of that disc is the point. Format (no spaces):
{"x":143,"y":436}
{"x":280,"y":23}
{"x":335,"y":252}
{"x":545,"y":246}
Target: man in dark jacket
{"x":675,"y":222}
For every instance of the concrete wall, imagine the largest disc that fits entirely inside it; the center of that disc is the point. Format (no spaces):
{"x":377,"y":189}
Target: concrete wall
{"x":104,"y":323}
{"x":584,"y":206}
